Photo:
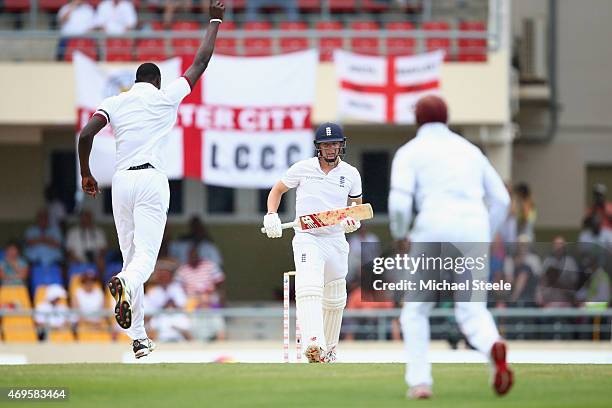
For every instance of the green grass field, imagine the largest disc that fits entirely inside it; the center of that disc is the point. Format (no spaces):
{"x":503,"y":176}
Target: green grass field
{"x":291,"y":385}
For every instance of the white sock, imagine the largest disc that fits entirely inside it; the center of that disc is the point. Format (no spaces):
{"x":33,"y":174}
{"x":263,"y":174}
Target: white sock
{"x":334,"y":301}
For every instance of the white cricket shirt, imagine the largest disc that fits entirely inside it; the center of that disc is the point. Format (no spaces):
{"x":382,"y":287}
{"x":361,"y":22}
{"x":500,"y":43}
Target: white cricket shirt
{"x":450,"y":181}
{"x":141,"y":119}
{"x":317,"y":191}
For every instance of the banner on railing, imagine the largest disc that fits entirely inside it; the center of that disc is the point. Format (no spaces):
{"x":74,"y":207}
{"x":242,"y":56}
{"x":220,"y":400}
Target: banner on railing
{"x":385,"y":89}
{"x":243,"y":124}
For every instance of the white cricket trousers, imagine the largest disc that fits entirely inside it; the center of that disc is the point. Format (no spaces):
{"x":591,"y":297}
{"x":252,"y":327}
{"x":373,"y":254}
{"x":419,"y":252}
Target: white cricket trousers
{"x":473,"y":318}
{"x":140,"y":205}
{"x":319,"y":260}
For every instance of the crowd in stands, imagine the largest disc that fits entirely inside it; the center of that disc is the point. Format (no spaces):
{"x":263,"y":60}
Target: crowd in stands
{"x":59,"y":272}
{"x":77,"y":19}
{"x":554,"y":274}
{"x":59,"y":275}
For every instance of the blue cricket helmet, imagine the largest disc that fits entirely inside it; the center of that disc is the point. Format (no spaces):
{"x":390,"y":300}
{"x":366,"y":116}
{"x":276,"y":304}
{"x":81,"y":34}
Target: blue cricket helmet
{"x":330,"y":132}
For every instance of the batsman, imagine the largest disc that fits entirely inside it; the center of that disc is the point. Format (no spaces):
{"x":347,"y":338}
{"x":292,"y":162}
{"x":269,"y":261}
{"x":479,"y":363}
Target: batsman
{"x":323,"y":182}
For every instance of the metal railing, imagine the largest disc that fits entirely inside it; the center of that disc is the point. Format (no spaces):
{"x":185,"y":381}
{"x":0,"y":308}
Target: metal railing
{"x":524,"y":323}
{"x":18,"y":45}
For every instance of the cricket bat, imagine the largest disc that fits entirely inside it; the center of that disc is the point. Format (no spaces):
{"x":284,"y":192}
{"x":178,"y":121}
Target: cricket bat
{"x":330,"y":217}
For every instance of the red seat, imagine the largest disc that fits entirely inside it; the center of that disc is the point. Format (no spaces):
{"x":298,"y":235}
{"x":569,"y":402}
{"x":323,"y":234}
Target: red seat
{"x":186,"y":26}
{"x":257,"y":46}
{"x":342,"y":6}
{"x":85,"y":45}
{"x":185,"y":46}
{"x":157,"y":26}
{"x":227,"y":46}
{"x":374,"y":6}
{"x":400,"y":45}
{"x":472,"y":49}
{"x":151,"y":49}
{"x":51,"y":5}
{"x":369,"y":45}
{"x":309,"y":5}
{"x":119,"y":49}
{"x":438,"y":43}
{"x":16,"y":5}
{"x":289,"y":44}
{"x":327,"y":45}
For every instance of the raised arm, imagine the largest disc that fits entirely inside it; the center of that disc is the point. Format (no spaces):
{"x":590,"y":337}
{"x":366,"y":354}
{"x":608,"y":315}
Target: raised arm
{"x":205,"y":51}
{"x":95,"y":125}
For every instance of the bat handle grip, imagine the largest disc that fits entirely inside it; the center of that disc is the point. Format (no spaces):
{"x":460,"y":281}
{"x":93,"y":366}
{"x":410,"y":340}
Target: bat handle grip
{"x":284,"y":225}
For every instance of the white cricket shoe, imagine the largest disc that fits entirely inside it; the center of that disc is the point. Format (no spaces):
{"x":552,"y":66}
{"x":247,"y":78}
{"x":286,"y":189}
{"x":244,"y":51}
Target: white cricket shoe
{"x":142,"y":347}
{"x":330,"y":356}
{"x":314,"y":353}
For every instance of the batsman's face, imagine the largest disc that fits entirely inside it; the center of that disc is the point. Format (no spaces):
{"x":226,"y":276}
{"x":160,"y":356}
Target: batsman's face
{"x":330,"y":150}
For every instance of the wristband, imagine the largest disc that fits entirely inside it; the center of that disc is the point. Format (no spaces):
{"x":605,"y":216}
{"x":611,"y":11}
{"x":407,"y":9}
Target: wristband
{"x":216,"y":20}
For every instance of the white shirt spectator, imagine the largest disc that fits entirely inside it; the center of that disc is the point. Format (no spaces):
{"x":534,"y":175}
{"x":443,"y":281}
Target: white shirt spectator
{"x":90,"y":302}
{"x":166,"y":326}
{"x":76,"y":18}
{"x":157,"y":297}
{"x":142,"y":119}
{"x":116,"y":17}
{"x":80,"y":241}
{"x":317,"y":191}
{"x":52,"y":315}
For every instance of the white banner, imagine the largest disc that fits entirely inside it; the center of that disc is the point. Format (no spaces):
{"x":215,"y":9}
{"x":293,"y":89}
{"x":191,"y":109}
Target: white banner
{"x":245,"y":122}
{"x":385,"y":89}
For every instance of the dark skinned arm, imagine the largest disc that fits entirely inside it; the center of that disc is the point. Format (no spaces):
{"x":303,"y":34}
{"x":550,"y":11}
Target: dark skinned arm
{"x":95,"y":125}
{"x":205,"y":51}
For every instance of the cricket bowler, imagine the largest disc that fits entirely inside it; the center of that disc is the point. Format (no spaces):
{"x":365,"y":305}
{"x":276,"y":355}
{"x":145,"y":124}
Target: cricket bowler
{"x":459,"y":198}
{"x":142,"y":119}
{"x":324,"y":182}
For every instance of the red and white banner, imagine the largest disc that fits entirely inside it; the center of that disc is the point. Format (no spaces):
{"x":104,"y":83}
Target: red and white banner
{"x":245,"y":122}
{"x":385,"y":89}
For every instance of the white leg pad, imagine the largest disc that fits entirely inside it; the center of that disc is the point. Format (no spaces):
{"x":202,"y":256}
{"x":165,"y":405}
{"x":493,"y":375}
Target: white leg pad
{"x":310,"y":314}
{"x":334,"y":301}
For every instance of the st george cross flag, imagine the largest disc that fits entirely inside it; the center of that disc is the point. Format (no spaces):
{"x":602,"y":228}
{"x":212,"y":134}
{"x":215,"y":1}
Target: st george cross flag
{"x":243,"y":125}
{"x":385,"y":89}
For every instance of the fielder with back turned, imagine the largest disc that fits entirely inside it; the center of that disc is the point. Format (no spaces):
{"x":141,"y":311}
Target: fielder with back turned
{"x":142,"y":119}
{"x":324,"y":182}
{"x":459,"y":198}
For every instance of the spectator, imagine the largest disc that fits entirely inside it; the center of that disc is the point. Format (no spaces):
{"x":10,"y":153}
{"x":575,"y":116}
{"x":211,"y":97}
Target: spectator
{"x":596,"y":285}
{"x":198,"y":234}
{"x":564,"y":264}
{"x":14,"y":270}
{"x":525,"y":212}
{"x":89,"y":301}
{"x":171,"y":7}
{"x":76,"y":17}
{"x":523,"y":271}
{"x":165,"y":297}
{"x":594,"y":233}
{"x":86,"y":242}
{"x":164,"y":290}
{"x":52,"y":313}
{"x":207,"y":327}
{"x":201,"y":276}
{"x":116,"y":16}
{"x":56,"y":208}
{"x":43,"y":241}
{"x":601,"y":206}
{"x":290,"y":7}
{"x":356,"y":257}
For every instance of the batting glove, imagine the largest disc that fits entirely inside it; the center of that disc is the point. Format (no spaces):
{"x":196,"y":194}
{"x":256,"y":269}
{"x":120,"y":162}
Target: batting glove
{"x":272,"y":224}
{"x":349,"y":224}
